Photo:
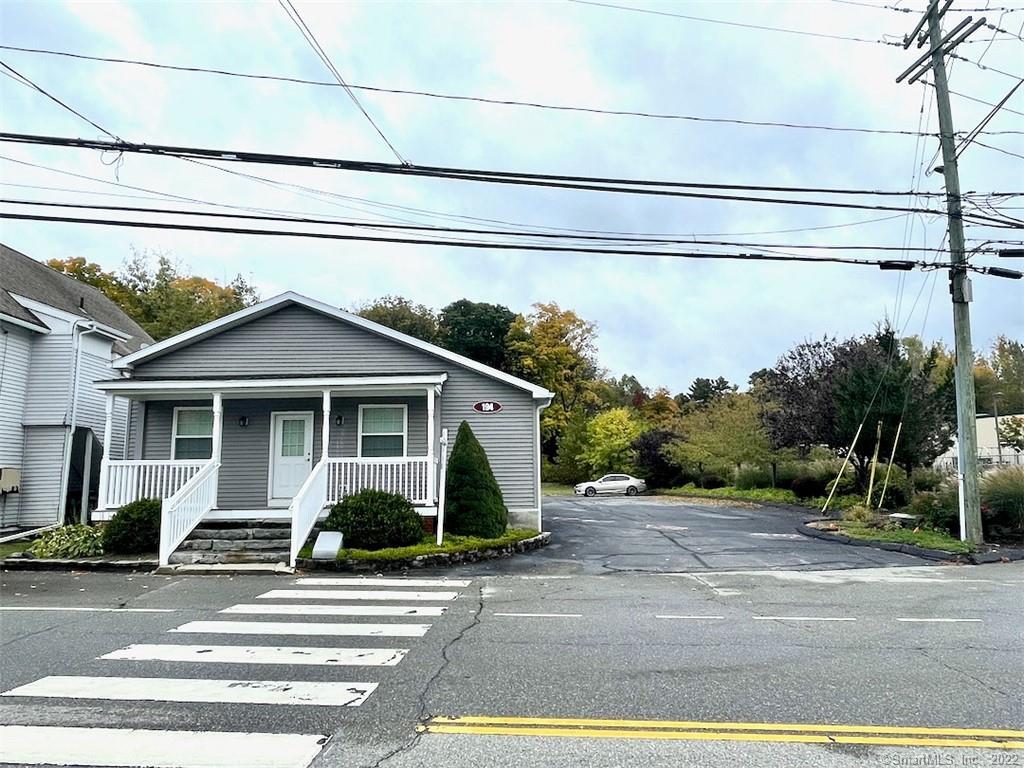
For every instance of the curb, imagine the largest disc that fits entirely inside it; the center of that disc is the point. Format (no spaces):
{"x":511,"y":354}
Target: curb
{"x":55,"y":564}
{"x":440,"y":560}
{"x":972,"y":558}
{"x":224,"y":569}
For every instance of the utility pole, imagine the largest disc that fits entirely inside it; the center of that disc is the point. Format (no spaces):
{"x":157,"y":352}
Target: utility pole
{"x":959,"y":284}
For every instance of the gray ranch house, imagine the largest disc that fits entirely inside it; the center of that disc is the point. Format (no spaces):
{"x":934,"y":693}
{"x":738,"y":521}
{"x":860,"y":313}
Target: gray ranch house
{"x":279,"y":410}
{"x":58,"y":337}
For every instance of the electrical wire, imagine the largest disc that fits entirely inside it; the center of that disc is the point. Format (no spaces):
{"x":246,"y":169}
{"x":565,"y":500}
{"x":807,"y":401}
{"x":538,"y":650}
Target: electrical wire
{"x":307,"y":33}
{"x":973,"y":133}
{"x":29,"y":83}
{"x":478,"y":99}
{"x":582,"y":183}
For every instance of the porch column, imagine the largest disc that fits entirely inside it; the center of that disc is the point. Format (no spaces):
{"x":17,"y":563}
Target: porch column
{"x":86,"y":478}
{"x":108,"y":431}
{"x":431,"y":468}
{"x":325,"y":431}
{"x":218,"y":426}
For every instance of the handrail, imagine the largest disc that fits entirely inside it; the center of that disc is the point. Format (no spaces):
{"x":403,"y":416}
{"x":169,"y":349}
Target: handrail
{"x":129,"y":480}
{"x":408,"y":476}
{"x":307,"y":505}
{"x":442,"y":481}
{"x":180,"y":513}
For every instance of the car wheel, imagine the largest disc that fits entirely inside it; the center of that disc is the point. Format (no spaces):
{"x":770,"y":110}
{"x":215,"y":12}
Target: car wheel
{"x":590,"y":492}
{"x":631,"y":491}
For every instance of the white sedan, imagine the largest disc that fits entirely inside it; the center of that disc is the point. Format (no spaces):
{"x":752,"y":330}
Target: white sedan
{"x":626,"y":484}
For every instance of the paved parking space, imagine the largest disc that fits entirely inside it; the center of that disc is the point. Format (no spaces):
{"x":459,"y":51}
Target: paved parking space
{"x":651,"y":534}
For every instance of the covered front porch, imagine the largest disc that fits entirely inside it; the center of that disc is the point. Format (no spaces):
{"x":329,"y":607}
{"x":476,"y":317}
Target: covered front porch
{"x":265,"y":449}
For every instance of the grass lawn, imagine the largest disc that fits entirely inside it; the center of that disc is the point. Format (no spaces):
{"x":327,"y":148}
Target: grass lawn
{"x":926,"y":538}
{"x":556,"y":489}
{"x":14,"y":546}
{"x":769,"y":495}
{"x":452,"y":545}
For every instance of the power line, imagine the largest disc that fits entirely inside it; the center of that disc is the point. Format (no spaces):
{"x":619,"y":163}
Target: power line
{"x":25,"y":81}
{"x":999,"y":149}
{"x":887,"y":264}
{"x":582,"y":183}
{"x":977,"y":129}
{"x":307,"y":33}
{"x":735,"y":23}
{"x":479,"y":99}
{"x":308,"y":219}
{"x":972,"y":98}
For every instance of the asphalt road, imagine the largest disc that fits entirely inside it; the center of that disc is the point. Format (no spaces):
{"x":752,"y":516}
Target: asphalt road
{"x":594,"y":630}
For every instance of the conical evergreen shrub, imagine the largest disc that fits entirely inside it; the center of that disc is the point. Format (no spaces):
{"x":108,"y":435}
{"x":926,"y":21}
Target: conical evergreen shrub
{"x":473,"y":503}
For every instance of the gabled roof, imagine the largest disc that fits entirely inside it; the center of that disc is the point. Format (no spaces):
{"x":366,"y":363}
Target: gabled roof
{"x":22,"y":275}
{"x":13,"y":312}
{"x":291,"y":298}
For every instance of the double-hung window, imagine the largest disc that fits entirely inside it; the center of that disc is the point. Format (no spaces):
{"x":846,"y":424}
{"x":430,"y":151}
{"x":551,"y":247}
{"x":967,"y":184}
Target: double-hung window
{"x":382,"y":430}
{"x":192,"y":433}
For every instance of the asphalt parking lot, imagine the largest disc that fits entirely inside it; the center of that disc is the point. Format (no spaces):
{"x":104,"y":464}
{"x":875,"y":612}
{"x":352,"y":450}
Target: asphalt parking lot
{"x":658,"y":534}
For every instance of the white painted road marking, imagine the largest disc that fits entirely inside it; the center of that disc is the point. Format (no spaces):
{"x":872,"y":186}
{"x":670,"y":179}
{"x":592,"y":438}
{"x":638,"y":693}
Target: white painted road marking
{"x":694,"y":618}
{"x":544,"y":615}
{"x":327,"y":694}
{"x":302,"y":628}
{"x":338,"y":610}
{"x":359,"y":582}
{"x":940,"y":621}
{"x":345,"y":594}
{"x":794,"y":536}
{"x":50,"y":745}
{"x":233,"y":654}
{"x":80,"y":609}
{"x":803,"y":618}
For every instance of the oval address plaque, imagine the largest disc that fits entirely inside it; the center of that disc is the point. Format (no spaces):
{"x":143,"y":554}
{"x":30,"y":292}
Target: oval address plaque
{"x":487,"y":406}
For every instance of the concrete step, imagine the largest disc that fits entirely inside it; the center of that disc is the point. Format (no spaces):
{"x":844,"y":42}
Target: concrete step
{"x":211,"y":557}
{"x":240,"y":545}
{"x":247,"y":532}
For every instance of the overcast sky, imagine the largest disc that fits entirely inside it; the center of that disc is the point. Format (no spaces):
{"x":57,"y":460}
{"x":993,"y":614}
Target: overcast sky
{"x":664,"y":320}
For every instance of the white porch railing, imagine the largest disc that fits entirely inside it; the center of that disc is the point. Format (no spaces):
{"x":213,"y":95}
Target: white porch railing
{"x":151,"y":479}
{"x":307,"y":505}
{"x":181,"y":512}
{"x":408,"y":476}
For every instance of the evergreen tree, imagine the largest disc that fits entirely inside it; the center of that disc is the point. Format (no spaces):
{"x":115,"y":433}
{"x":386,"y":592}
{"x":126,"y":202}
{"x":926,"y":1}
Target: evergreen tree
{"x":473,"y":503}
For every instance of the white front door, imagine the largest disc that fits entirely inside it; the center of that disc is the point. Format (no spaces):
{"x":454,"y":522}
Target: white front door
{"x":291,"y":453}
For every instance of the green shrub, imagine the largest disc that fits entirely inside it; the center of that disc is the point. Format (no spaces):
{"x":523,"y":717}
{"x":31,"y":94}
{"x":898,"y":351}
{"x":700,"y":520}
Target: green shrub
{"x":710,"y":481}
{"x":134,"y":528}
{"x":927,"y":478}
{"x":374,"y":520}
{"x":1002,"y":499}
{"x":938,"y":509}
{"x":859,"y":514}
{"x":473,"y":502}
{"x":748,"y":478}
{"x":897,"y":493}
{"x":808,"y":486}
{"x":69,"y":541}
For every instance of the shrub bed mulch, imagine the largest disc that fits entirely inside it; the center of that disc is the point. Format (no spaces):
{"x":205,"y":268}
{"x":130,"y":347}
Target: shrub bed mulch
{"x":437,"y":560}
{"x":830,"y":530}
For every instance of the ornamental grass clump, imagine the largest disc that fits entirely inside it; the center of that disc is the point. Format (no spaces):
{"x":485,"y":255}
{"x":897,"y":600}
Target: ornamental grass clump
{"x":473,"y":505}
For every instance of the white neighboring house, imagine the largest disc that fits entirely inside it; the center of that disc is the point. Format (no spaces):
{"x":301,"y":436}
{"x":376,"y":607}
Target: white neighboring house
{"x":58,"y":336}
{"x":988,"y":450}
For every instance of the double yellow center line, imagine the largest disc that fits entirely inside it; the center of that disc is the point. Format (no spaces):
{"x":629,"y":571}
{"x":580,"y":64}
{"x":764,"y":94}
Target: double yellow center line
{"x":683,"y":730}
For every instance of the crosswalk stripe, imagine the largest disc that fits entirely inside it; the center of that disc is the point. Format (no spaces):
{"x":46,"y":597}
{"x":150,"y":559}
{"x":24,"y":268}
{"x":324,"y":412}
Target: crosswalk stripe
{"x":345,"y":594}
{"x":328,"y":694}
{"x":53,"y":745}
{"x":355,"y":581}
{"x":235,"y":654}
{"x":302,"y":628}
{"x":292,"y":609}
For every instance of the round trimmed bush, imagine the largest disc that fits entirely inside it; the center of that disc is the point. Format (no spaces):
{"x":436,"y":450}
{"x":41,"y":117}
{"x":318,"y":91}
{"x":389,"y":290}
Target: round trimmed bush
{"x":134,"y":528}
{"x":711,"y":481}
{"x":808,"y":486}
{"x":374,"y":520}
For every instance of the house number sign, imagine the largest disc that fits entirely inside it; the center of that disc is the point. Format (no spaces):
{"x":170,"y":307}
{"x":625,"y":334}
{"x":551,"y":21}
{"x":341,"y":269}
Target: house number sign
{"x":487,"y":406}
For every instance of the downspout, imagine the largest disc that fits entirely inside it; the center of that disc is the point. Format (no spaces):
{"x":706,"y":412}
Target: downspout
{"x":540,"y":520}
{"x":72,"y":414}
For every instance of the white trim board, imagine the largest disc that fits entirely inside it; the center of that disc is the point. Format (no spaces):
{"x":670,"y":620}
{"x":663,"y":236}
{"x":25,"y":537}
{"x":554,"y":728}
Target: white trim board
{"x":290,"y":297}
{"x":341,"y":384}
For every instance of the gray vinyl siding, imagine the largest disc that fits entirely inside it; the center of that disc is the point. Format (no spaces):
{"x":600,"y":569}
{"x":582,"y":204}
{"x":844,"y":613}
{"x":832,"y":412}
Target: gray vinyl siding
{"x":41,"y":476}
{"x":91,"y":405}
{"x":15,"y":356}
{"x":119,"y":428}
{"x":245,"y":451}
{"x":298,"y":341}
{"x":49,"y":380}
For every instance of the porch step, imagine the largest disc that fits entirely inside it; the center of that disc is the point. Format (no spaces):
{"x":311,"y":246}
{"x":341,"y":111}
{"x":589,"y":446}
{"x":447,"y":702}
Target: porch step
{"x":249,"y":541}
